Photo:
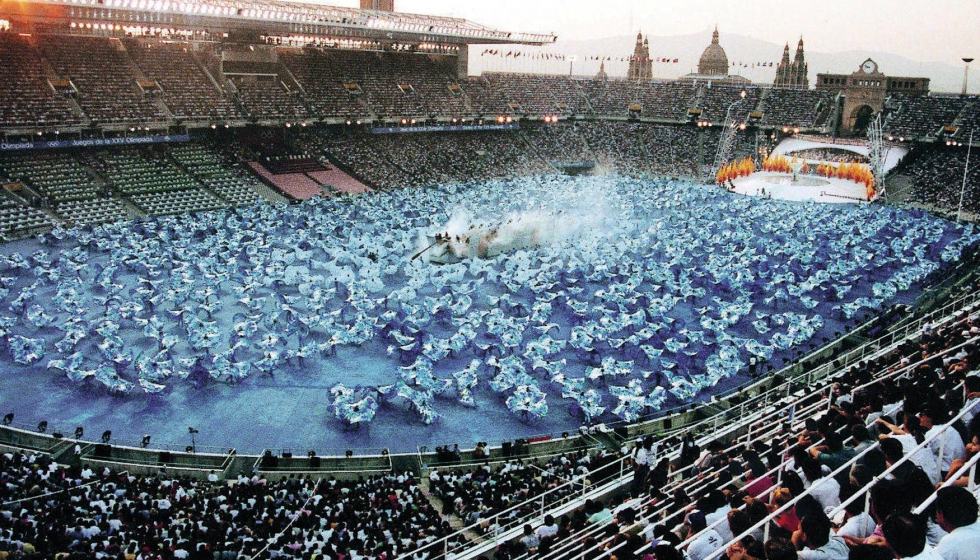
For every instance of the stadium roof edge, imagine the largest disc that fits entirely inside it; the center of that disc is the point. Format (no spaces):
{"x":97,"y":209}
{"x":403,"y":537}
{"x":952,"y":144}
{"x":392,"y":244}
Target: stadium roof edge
{"x":278,"y":16}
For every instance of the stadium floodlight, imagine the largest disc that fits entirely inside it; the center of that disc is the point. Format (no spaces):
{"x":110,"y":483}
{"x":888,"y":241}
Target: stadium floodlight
{"x":966,"y":73}
{"x":106,"y":436}
{"x":8,"y":418}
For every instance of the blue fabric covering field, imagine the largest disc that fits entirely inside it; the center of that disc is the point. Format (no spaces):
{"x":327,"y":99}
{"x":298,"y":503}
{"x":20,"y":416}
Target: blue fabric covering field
{"x":311,"y":327}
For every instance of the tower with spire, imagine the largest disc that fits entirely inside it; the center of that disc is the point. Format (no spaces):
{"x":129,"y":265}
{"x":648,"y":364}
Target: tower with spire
{"x":793,"y":74}
{"x":602,"y":72}
{"x":641,"y":67}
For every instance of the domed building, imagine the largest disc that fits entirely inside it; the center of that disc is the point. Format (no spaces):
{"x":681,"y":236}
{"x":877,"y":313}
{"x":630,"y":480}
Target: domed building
{"x":714,"y":61}
{"x":713,"y":65}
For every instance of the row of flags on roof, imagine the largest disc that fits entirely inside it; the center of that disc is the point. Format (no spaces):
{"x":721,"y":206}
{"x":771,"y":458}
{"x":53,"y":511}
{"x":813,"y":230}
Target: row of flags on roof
{"x":598,"y":58}
{"x":553,"y":56}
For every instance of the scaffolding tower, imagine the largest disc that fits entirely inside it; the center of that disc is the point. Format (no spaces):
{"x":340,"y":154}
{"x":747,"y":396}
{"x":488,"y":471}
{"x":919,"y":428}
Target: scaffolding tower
{"x":876,"y":154}
{"x":727,"y":141}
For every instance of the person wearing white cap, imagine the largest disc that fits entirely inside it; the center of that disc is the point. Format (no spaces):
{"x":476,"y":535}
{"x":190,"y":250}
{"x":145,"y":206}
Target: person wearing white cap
{"x":708,"y":542}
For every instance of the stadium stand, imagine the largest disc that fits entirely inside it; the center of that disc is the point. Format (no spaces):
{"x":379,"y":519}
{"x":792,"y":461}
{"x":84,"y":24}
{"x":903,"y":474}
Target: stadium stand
{"x":153,"y":183}
{"x":16,"y":218}
{"x":323,"y":77}
{"x":608,"y":97}
{"x":796,"y":107}
{"x":220,"y":176}
{"x":101,"y":73}
{"x":91,"y":211}
{"x":267,"y":98}
{"x":188,"y":92}
{"x":922,"y":116}
{"x":666,"y":100}
{"x":26,"y":98}
{"x":937,"y":180}
{"x":296,"y":186}
{"x":354,"y":152}
{"x":56,"y":176}
{"x":483,"y":98}
{"x":535,"y":94}
{"x":429,"y":159}
{"x":557,"y":144}
{"x":715,"y":101}
{"x":616,"y":145}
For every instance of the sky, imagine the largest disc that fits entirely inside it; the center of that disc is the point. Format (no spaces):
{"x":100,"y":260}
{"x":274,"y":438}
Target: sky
{"x":924,"y":30}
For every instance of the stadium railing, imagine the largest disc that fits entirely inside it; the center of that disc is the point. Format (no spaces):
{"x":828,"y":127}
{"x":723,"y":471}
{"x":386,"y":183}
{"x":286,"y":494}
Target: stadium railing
{"x":138,"y":461}
{"x":864,"y":491}
{"x":285,"y":465}
{"x":846,"y":466}
{"x":800,"y":416}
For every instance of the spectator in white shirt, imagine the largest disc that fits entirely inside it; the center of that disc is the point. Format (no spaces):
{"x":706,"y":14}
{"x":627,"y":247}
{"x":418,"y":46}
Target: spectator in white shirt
{"x":905,"y":534}
{"x":709,"y":540}
{"x":859,"y":523}
{"x":549,"y":528}
{"x":820,"y":543}
{"x":911,"y":436}
{"x":948,"y":443}
{"x":825,"y":489}
{"x":956,"y":512}
{"x":972,"y":387}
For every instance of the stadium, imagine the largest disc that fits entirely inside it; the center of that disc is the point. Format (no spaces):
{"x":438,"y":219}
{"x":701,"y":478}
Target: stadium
{"x":285,"y":280}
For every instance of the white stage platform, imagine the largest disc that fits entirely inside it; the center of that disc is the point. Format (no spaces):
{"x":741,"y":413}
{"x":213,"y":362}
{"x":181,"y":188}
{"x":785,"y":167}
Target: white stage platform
{"x":893,"y":154}
{"x":808,"y":187}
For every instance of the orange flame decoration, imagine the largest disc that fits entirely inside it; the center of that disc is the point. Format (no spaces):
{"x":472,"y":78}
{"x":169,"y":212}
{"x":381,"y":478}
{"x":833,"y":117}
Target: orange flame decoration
{"x":777,"y":164}
{"x":846,"y":170}
{"x":734,"y":170}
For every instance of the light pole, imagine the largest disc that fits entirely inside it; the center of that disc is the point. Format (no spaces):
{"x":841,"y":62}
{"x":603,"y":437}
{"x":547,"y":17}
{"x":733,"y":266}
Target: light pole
{"x":728,"y":132}
{"x":966,"y":168}
{"x":966,"y":73}
{"x":192,"y":431}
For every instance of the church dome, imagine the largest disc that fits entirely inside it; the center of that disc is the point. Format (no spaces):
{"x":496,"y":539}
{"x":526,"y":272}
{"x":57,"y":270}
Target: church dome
{"x":714,"y":61}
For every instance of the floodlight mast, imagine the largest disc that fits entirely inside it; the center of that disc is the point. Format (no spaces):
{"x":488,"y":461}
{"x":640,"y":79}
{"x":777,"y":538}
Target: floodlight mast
{"x":966,"y":73}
